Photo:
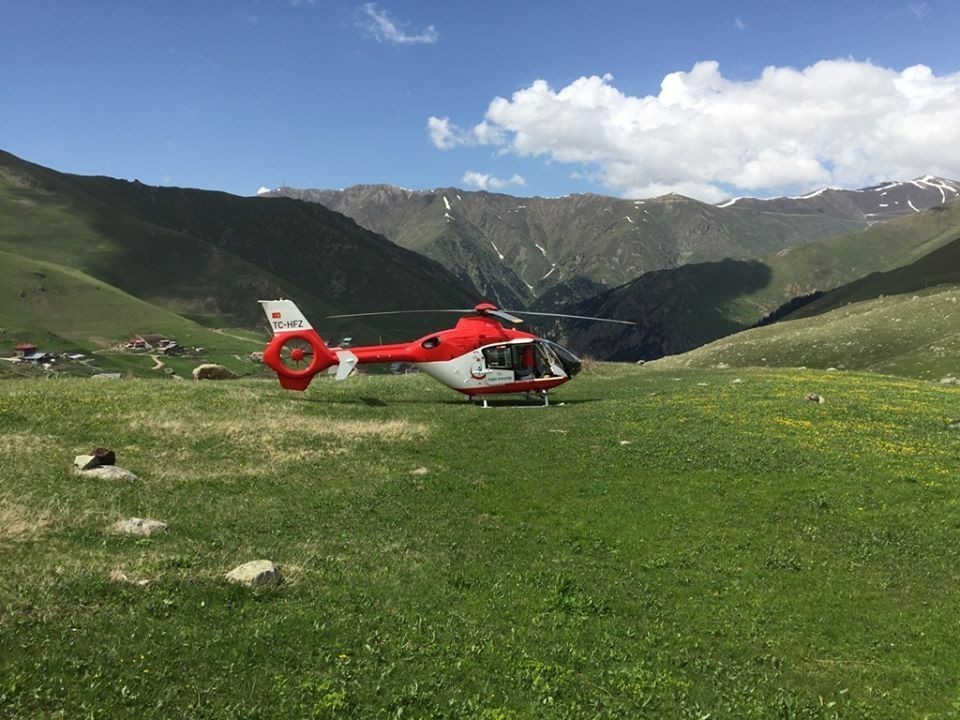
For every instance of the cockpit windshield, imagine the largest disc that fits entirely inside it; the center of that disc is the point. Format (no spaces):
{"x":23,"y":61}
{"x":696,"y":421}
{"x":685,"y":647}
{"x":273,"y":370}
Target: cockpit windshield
{"x":570,"y":362}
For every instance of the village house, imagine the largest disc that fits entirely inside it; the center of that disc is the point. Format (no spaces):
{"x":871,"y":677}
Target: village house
{"x":24,"y":349}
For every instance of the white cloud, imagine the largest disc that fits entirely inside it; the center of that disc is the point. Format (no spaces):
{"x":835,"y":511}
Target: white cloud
{"x":263,"y":190}
{"x":739,"y":24}
{"x":838,"y":122}
{"x":446,"y":136}
{"x":919,"y":9}
{"x":483,"y":181}
{"x":384,"y":28}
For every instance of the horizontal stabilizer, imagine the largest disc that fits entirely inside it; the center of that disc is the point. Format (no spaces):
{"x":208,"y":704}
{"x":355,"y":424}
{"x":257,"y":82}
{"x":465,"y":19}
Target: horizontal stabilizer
{"x":348,"y":361}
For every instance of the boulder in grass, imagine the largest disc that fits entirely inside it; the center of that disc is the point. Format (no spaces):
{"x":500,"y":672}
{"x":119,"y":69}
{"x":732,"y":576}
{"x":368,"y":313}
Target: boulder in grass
{"x":85,"y":462}
{"x":109,"y":472}
{"x":955,"y":425}
{"x":139,"y":526}
{"x":814,"y":398}
{"x":256,"y":573}
{"x":212,"y":371}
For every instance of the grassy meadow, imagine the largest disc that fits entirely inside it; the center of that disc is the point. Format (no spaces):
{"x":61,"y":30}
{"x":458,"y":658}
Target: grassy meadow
{"x":664,"y":544}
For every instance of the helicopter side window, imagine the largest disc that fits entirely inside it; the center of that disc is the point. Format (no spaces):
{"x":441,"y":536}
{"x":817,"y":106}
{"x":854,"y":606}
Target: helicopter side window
{"x":430,"y":343}
{"x":499,"y":357}
{"x":527,"y":360}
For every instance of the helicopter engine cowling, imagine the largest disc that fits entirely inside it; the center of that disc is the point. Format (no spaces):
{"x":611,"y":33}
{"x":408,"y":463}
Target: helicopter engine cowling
{"x":296,"y":357}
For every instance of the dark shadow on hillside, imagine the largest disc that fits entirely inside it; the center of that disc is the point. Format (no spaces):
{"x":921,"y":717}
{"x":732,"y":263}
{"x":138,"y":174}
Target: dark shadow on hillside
{"x":674,"y":310}
{"x":939,"y":267}
{"x":216,"y":254}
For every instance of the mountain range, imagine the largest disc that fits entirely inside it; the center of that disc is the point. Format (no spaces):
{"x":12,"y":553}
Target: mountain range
{"x":516,"y":250}
{"x":86,"y":261}
{"x":886,"y":201}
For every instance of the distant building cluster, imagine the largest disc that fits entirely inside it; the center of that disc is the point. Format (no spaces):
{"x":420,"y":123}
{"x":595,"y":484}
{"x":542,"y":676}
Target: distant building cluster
{"x":158,"y":343}
{"x":29,"y":352}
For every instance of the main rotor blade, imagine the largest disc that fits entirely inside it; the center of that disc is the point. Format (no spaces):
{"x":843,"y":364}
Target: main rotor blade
{"x":397,"y":312}
{"x":505,"y":316}
{"x":574,"y":317}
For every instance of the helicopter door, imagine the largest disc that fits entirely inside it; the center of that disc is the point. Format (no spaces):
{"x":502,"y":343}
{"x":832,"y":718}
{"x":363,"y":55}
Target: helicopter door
{"x":551,"y":360}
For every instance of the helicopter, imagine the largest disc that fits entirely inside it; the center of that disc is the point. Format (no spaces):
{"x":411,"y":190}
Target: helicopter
{"x":478,"y":357}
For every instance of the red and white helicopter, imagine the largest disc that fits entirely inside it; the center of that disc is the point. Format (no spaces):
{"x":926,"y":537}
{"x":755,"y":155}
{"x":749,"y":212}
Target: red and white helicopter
{"x":477,"y":357}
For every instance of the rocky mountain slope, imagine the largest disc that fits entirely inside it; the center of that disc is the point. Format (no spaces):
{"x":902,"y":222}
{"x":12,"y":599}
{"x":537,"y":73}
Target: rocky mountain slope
{"x":516,"y":249}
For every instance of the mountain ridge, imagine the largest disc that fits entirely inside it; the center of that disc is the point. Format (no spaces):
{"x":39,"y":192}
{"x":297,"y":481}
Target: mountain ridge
{"x":875,"y":203}
{"x":515,"y":249}
{"x":210,"y":256}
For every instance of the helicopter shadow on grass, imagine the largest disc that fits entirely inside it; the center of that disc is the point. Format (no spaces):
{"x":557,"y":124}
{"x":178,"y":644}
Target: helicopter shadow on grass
{"x":492,"y":402}
{"x":508,"y":402}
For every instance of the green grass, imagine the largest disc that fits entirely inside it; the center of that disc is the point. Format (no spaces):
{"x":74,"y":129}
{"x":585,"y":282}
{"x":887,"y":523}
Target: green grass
{"x":663,"y":545}
{"x":914,"y":335}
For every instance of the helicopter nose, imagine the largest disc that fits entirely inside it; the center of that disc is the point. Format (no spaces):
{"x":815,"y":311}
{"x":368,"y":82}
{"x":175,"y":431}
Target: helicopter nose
{"x":570,"y":362}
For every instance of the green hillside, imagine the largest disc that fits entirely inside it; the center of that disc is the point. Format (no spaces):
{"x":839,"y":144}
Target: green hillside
{"x":940,"y":267}
{"x":914,"y":335}
{"x":68,"y":308}
{"x":679,"y":309}
{"x":210,"y":256}
{"x":694,"y":548}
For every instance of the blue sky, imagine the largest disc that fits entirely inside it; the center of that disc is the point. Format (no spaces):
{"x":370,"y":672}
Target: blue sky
{"x":242,"y":94}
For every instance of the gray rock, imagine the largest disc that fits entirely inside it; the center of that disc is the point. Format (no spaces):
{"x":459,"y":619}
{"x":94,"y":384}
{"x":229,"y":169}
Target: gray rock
{"x":107,"y":376}
{"x":256,"y":573}
{"x":212,"y":371}
{"x":109,"y":472}
{"x":85,"y":462}
{"x":814,"y":398}
{"x":950,"y":380}
{"x":955,"y":425}
{"x":139,"y":526}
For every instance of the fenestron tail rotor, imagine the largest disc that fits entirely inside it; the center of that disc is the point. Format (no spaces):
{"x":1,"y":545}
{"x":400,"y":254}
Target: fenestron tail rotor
{"x":296,"y":354}
{"x":485,"y":309}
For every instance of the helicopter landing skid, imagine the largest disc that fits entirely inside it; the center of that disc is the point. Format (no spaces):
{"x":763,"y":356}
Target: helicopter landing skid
{"x":542,"y":394}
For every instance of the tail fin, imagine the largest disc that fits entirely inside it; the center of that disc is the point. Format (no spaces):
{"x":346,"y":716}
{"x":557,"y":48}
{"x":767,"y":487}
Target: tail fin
{"x":284,"y":316}
{"x":297,"y":352}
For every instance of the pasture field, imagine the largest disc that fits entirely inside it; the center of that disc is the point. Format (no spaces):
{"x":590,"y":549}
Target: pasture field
{"x":664,"y":544}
